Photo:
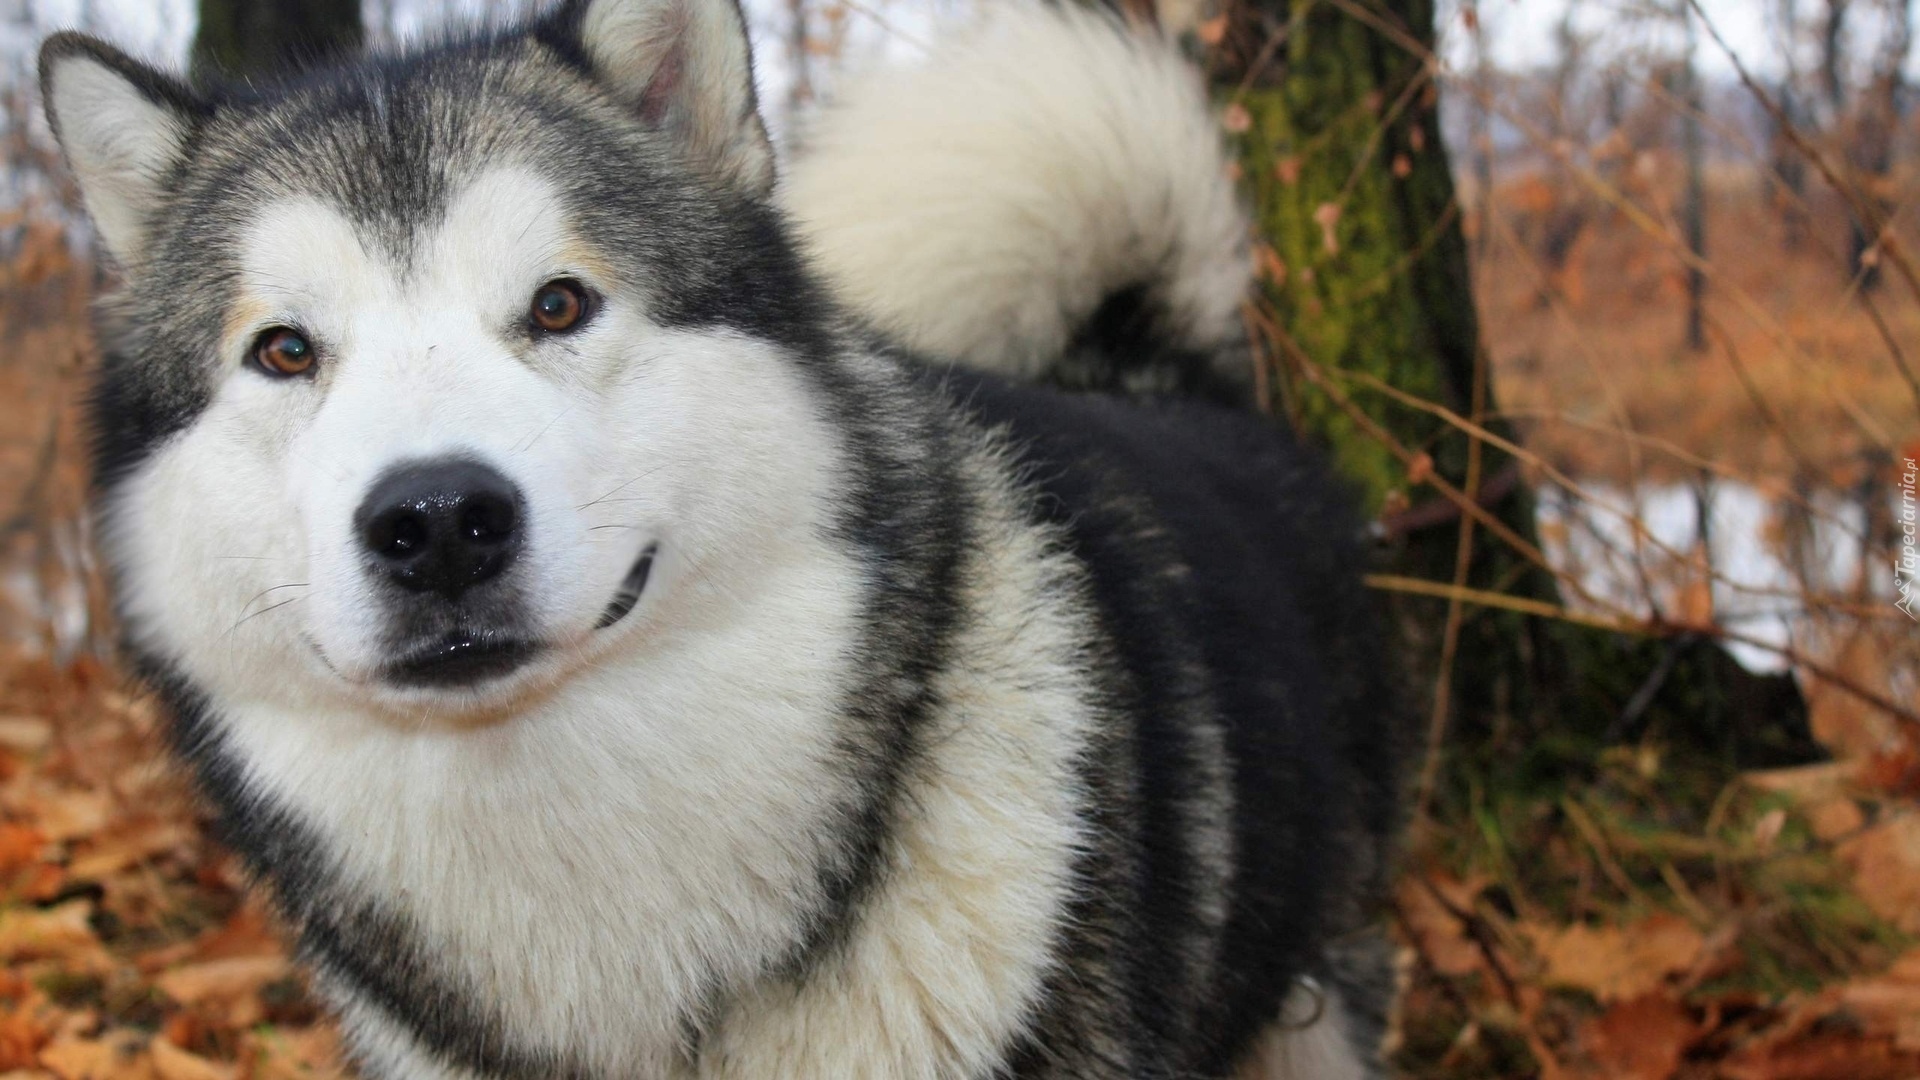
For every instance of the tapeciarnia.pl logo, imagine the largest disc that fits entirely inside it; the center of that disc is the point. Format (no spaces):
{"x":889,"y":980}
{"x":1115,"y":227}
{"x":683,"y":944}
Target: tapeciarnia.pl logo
{"x":1906,"y":569}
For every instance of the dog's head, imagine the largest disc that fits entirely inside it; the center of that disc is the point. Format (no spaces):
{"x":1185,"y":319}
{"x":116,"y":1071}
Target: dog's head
{"x":430,"y":376}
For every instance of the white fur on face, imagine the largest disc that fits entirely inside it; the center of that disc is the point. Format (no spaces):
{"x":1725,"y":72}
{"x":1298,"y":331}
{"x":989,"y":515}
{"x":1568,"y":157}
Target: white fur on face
{"x":620,"y":435}
{"x":644,"y":836}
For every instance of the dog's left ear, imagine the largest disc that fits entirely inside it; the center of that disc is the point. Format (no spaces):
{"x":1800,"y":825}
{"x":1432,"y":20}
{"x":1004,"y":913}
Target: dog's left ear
{"x":123,"y":126}
{"x":684,"y":66}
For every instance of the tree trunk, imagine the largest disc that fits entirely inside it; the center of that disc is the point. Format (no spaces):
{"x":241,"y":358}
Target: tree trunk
{"x":1694,"y":212}
{"x":1789,"y":164}
{"x":1368,"y":282}
{"x":1833,"y":61}
{"x":265,"y":38}
{"x":1873,"y":130}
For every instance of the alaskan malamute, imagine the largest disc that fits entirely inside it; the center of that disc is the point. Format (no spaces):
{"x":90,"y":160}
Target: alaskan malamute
{"x":618,"y":614}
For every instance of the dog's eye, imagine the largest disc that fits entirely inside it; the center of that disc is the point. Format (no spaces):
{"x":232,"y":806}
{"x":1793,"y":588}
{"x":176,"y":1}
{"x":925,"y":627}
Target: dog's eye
{"x":559,"y":306}
{"x":283,"y":352}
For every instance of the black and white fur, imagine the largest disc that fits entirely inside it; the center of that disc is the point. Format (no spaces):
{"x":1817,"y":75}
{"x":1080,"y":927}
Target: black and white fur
{"x":839,"y":715}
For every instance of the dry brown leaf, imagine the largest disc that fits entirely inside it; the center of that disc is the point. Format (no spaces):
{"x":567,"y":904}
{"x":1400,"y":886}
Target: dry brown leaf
{"x":1894,"y":771}
{"x":1804,"y":783}
{"x":1889,"y":1003}
{"x":1641,"y":1039}
{"x":1832,"y":819}
{"x":69,"y":815}
{"x":134,"y":843}
{"x":63,"y":933}
{"x":222,"y":980}
{"x":313,"y":1054}
{"x":1886,"y":869}
{"x":116,"y":1058}
{"x":21,"y":1037}
{"x":1832,"y":1056}
{"x":247,"y":933}
{"x":173,"y":1063}
{"x":1438,"y":935}
{"x":25,"y":734}
{"x":1616,"y":963}
{"x":20,"y":846}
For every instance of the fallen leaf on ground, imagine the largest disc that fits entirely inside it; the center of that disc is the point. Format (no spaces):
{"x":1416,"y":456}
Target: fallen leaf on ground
{"x":1439,"y":935}
{"x":21,"y":1037}
{"x":221,"y":980}
{"x":173,"y":1063}
{"x":1886,"y":869}
{"x":1808,"y":783}
{"x":25,"y":734}
{"x":62,"y":932}
{"x":134,"y":843}
{"x":1835,"y":818}
{"x":116,"y":1058}
{"x":1615,"y":963}
{"x":1889,"y":1003}
{"x":72,"y":814}
{"x":1641,"y":1039}
{"x":1823,"y":1057}
{"x":19,"y":847}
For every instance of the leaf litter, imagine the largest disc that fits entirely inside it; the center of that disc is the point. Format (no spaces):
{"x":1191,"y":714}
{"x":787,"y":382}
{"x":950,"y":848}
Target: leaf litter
{"x":1629,"y":930}
{"x":129,"y":946}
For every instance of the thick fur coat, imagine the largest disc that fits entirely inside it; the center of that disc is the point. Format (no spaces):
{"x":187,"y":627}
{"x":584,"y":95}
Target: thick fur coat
{"x":636,"y":622}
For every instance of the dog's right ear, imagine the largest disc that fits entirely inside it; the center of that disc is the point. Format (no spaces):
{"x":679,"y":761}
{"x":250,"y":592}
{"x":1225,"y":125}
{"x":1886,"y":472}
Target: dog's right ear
{"x":122,"y":126}
{"x":685,"y":69}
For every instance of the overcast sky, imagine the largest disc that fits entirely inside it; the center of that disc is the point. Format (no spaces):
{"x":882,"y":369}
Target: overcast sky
{"x":1520,"y":32}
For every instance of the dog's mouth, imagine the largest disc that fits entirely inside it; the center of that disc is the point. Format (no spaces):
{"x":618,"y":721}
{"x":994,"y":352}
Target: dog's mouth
{"x":630,"y":589}
{"x":468,"y":657}
{"x":462,"y":658}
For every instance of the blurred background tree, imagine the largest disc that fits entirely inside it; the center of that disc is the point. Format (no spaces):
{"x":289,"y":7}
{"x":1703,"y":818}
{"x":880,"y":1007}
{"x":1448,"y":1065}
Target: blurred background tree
{"x":267,"y":37}
{"x":1378,"y":355}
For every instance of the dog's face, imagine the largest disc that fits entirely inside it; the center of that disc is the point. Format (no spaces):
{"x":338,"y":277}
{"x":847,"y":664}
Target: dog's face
{"x":433,"y":379}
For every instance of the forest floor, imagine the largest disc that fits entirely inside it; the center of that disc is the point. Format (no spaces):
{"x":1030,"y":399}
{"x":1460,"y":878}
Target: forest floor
{"x":1644,"y":909}
{"x":1640,"y":910}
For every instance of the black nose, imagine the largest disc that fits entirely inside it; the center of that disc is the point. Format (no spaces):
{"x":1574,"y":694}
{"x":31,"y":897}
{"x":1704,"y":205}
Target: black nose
{"x":441,"y":526}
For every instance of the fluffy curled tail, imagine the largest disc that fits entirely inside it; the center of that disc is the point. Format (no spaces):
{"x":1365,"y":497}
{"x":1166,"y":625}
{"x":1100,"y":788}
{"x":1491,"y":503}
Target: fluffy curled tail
{"x":1046,"y":196}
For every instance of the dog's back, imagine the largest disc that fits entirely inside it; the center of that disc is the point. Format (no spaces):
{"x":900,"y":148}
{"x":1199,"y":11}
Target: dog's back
{"x":1227,"y":570}
{"x":1043,"y":211}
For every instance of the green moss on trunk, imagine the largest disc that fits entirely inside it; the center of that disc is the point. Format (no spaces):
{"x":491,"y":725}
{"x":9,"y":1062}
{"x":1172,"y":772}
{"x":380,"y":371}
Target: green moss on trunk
{"x":1349,"y":178}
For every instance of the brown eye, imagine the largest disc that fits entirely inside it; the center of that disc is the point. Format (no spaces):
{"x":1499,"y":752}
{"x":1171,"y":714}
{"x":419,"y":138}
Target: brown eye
{"x":559,"y":306}
{"x":283,"y":351}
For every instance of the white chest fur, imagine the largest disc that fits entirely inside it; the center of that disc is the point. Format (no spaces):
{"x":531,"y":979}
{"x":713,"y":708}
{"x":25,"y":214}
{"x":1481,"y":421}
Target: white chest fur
{"x":599,"y":866}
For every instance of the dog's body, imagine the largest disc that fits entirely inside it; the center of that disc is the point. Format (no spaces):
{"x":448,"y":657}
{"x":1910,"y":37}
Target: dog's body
{"x":663,"y":679}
